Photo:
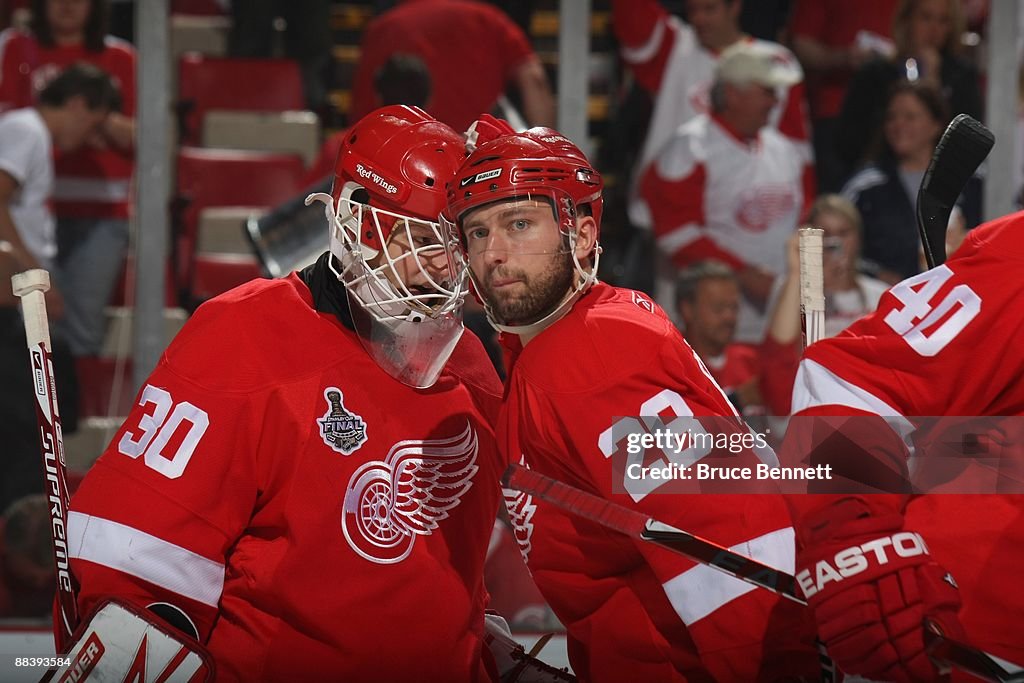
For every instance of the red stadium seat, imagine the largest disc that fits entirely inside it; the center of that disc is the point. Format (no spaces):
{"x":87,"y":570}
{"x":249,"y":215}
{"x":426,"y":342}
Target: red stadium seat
{"x":217,"y":273}
{"x":206,"y":83}
{"x":212,"y":177}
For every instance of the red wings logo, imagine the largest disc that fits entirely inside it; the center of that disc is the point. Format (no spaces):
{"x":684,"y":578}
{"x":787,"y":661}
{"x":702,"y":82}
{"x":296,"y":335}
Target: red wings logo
{"x":388,"y":503}
{"x":760,"y":206}
{"x":521,"y":509}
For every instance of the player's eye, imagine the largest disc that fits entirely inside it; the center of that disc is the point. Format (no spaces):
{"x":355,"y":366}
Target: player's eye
{"x":425,"y":241}
{"x":476,"y":234}
{"x":519,"y":224}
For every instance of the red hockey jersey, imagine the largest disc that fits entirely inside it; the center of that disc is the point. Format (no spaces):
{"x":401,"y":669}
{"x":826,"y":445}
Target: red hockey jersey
{"x":634,"y":611}
{"x":315,"y":518}
{"x":943,"y":343}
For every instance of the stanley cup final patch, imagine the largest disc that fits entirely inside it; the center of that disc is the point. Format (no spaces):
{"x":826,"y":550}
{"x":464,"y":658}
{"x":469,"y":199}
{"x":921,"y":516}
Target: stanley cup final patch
{"x":341,"y":429}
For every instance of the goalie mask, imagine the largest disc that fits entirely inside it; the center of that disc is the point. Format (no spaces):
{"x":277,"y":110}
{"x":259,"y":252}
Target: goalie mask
{"x":405,"y":293}
{"x":525,"y":173}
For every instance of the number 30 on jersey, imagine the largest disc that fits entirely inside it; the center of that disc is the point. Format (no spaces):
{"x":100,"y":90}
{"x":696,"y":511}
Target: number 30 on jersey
{"x":153,"y":433}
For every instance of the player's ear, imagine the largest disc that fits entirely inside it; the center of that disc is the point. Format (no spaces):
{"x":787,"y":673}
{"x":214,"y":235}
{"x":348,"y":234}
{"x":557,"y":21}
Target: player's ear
{"x":586,"y":235}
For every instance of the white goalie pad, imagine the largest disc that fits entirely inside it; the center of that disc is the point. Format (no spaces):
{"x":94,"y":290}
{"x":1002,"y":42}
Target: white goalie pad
{"x":120,"y":642}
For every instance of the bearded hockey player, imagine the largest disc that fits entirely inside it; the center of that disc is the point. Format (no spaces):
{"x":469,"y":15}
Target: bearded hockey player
{"x":527,"y":209}
{"x":308,"y":481}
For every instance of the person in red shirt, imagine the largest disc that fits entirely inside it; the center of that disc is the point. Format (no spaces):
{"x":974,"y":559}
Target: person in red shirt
{"x":309,"y":479}
{"x":708,"y":303}
{"x":473,"y":52}
{"x":403,"y":79}
{"x":888,"y":397}
{"x":832,"y":38}
{"x":527,"y":210}
{"x":92,"y":194}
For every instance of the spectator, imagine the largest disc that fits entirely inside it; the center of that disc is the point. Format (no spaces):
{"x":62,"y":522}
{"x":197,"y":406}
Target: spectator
{"x":675,"y":62}
{"x":402,"y":79}
{"x":849,"y":295}
{"x":473,"y":52}
{"x":92,"y":195}
{"x":27,"y":579}
{"x":927,"y":35}
{"x":708,"y":302}
{"x":307,"y":39}
{"x":885,"y":191}
{"x":71,"y":109}
{"x":832,"y":38}
{"x":730,"y":188}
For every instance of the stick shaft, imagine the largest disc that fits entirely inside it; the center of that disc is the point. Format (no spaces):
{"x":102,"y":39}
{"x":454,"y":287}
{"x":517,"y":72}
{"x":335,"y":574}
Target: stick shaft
{"x":30,"y":287}
{"x":812,"y":285}
{"x":638,"y":525}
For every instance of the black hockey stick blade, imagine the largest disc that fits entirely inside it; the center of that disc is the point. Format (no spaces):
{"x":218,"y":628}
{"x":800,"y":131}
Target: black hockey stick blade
{"x":638,"y":525}
{"x":945,"y":651}
{"x":963,"y":147}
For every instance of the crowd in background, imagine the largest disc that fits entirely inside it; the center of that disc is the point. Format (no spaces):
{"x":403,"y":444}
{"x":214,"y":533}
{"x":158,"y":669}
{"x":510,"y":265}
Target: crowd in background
{"x":732,"y":124}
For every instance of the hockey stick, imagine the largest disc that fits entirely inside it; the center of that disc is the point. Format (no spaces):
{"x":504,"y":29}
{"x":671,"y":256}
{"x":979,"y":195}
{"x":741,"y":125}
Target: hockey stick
{"x":637,"y":524}
{"x":983,"y":665}
{"x":942,"y":650}
{"x":30,"y":287}
{"x":812,"y":285}
{"x":963,"y":147}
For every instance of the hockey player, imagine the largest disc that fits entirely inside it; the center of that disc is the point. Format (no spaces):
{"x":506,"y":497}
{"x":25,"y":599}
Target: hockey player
{"x":308,"y":481}
{"x":527,"y":208}
{"x":938,"y":345}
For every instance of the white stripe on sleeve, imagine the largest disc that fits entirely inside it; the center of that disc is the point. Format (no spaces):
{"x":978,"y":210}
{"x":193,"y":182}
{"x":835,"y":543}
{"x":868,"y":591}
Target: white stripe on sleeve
{"x":146,"y":557}
{"x":699,"y":591}
{"x":816,"y":385}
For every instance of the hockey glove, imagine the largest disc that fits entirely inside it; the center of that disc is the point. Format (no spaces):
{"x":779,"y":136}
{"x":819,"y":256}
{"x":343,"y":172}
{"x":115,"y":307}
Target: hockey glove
{"x":871,"y":585}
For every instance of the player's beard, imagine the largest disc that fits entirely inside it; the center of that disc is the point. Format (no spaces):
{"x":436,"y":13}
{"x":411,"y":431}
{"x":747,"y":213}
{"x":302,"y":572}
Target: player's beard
{"x":540,"y":296}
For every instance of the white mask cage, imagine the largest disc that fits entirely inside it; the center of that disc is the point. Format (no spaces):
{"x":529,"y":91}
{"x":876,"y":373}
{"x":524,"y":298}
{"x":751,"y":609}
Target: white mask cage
{"x":405,"y":298}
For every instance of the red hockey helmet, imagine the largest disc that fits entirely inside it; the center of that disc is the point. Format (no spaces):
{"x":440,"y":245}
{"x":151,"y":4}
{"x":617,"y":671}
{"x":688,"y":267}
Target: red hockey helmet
{"x":539,"y":161}
{"x":405,"y":290}
{"x":401,"y":157}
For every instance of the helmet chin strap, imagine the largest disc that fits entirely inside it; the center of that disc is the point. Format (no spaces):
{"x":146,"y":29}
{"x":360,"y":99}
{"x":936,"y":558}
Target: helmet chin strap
{"x":584,"y":280}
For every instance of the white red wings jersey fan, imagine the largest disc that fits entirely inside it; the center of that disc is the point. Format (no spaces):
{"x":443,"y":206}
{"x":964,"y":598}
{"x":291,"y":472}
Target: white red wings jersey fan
{"x":315,"y":518}
{"x":669,"y":62}
{"x":943,"y":343}
{"x":713,"y":195}
{"x":634,"y":611}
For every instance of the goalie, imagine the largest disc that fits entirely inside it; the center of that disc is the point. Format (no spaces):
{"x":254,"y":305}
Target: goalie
{"x":308,"y":481}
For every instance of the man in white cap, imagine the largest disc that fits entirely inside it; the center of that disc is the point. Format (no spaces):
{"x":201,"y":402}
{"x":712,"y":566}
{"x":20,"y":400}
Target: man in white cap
{"x":728,"y":187}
